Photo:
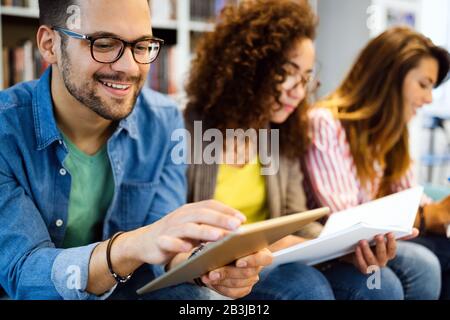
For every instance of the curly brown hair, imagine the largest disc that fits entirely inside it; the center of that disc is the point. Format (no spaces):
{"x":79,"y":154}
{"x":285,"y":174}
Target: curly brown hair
{"x":238,"y":69}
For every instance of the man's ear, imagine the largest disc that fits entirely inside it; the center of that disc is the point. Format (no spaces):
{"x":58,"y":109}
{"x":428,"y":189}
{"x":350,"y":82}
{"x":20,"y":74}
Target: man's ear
{"x":46,"y":42}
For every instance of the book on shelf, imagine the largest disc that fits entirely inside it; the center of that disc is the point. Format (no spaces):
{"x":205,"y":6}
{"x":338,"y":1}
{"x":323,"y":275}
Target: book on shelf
{"x":32,"y":4}
{"x":163,"y":72}
{"x":206,"y":10}
{"x":200,"y":10}
{"x":22,"y":63}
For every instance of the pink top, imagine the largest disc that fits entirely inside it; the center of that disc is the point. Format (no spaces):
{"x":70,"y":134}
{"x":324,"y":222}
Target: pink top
{"x":330,"y":172}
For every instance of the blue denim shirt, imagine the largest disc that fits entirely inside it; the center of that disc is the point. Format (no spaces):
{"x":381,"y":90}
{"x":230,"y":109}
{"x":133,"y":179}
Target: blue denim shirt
{"x":35,"y":188}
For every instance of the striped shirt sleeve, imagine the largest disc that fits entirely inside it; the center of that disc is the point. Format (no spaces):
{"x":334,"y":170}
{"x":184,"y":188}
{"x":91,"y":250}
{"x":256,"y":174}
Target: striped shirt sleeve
{"x":329,"y":163}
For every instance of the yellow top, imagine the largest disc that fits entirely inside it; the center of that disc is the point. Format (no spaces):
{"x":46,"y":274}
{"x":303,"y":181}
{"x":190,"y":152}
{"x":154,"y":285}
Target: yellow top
{"x":243,"y":189}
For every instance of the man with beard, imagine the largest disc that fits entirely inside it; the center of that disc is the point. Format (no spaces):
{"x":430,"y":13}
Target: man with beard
{"x":89,"y":195}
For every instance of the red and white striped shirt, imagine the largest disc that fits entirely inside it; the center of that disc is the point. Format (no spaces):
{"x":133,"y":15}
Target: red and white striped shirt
{"x":330,"y":172}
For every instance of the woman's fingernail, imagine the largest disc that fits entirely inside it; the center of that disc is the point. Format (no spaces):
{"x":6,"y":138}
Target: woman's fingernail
{"x":234,"y":224}
{"x":215,"y":234}
{"x":214,"y":276}
{"x":241,"y":217}
{"x":242,"y":264}
{"x":205,"y":280}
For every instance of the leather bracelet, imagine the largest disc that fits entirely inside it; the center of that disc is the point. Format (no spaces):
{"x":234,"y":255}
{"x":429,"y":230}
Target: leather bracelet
{"x":117,"y":277}
{"x":198,"y":281}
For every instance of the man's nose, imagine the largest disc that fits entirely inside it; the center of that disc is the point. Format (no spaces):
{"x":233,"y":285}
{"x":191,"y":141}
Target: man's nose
{"x":126,"y":64}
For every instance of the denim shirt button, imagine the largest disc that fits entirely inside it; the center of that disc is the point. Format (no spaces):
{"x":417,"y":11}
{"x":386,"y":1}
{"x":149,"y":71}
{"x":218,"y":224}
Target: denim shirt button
{"x":62,"y":172}
{"x":59,"y":223}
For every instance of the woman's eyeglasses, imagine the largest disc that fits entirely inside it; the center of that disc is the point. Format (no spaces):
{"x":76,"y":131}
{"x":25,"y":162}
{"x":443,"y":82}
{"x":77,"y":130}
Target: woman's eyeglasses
{"x":293,"y":80}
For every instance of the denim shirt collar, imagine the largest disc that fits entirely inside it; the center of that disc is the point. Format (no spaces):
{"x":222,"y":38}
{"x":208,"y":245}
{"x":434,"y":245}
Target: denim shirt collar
{"x":44,"y":119}
{"x":45,"y":126}
{"x":129,"y":124}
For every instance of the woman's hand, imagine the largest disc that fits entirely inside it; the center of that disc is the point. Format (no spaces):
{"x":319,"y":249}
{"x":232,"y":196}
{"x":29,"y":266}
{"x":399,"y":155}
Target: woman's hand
{"x":384,"y":250}
{"x":237,"y":281}
{"x":286,"y":242}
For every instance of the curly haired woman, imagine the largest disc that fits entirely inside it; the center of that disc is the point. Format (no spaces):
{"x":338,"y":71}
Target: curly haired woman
{"x":254,"y":73}
{"x":359,"y":147}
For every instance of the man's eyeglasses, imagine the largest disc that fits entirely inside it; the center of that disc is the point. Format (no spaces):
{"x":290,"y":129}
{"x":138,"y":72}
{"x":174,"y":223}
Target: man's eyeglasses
{"x":110,"y":49}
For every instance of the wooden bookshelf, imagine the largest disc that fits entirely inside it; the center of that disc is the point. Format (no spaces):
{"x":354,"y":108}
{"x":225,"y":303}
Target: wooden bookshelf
{"x":199,"y":26}
{"x":20,"y":12}
{"x":165,"y":24}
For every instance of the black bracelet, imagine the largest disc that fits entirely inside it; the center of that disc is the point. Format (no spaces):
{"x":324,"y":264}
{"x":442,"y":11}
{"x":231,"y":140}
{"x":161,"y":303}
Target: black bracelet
{"x":198,"y":281}
{"x":118,"y":278}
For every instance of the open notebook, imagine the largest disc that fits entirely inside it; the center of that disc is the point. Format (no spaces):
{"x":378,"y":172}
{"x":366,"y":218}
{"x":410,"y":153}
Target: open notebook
{"x":395,"y":213}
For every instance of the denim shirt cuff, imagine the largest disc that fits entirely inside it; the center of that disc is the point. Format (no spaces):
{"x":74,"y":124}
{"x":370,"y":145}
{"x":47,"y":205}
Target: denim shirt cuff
{"x":70,"y":273}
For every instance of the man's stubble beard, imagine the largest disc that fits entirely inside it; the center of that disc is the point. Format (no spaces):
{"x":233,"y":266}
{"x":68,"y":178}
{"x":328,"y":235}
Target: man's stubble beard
{"x":88,"y":97}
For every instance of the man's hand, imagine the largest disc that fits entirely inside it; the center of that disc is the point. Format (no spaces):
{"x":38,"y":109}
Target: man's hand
{"x":183,"y":229}
{"x":237,"y":281}
{"x":158,"y":243}
{"x":437,"y":216}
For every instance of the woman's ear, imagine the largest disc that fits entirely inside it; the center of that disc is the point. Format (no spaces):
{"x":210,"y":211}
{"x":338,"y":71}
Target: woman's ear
{"x":46,"y":42}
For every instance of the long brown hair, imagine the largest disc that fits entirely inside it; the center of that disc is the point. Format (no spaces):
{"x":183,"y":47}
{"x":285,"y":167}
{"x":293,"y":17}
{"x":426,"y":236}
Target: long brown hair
{"x":369,"y":102}
{"x":239,"y":67}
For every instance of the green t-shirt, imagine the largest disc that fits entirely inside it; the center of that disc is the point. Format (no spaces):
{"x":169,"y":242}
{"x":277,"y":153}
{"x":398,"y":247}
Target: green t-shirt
{"x":91,"y":193}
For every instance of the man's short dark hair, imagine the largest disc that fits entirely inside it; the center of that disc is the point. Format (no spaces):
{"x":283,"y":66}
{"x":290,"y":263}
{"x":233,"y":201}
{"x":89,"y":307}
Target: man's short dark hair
{"x":54,"y":13}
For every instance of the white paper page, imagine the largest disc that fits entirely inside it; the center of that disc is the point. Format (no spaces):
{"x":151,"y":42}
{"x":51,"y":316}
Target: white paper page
{"x":332,"y":246}
{"x":397,"y":211}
